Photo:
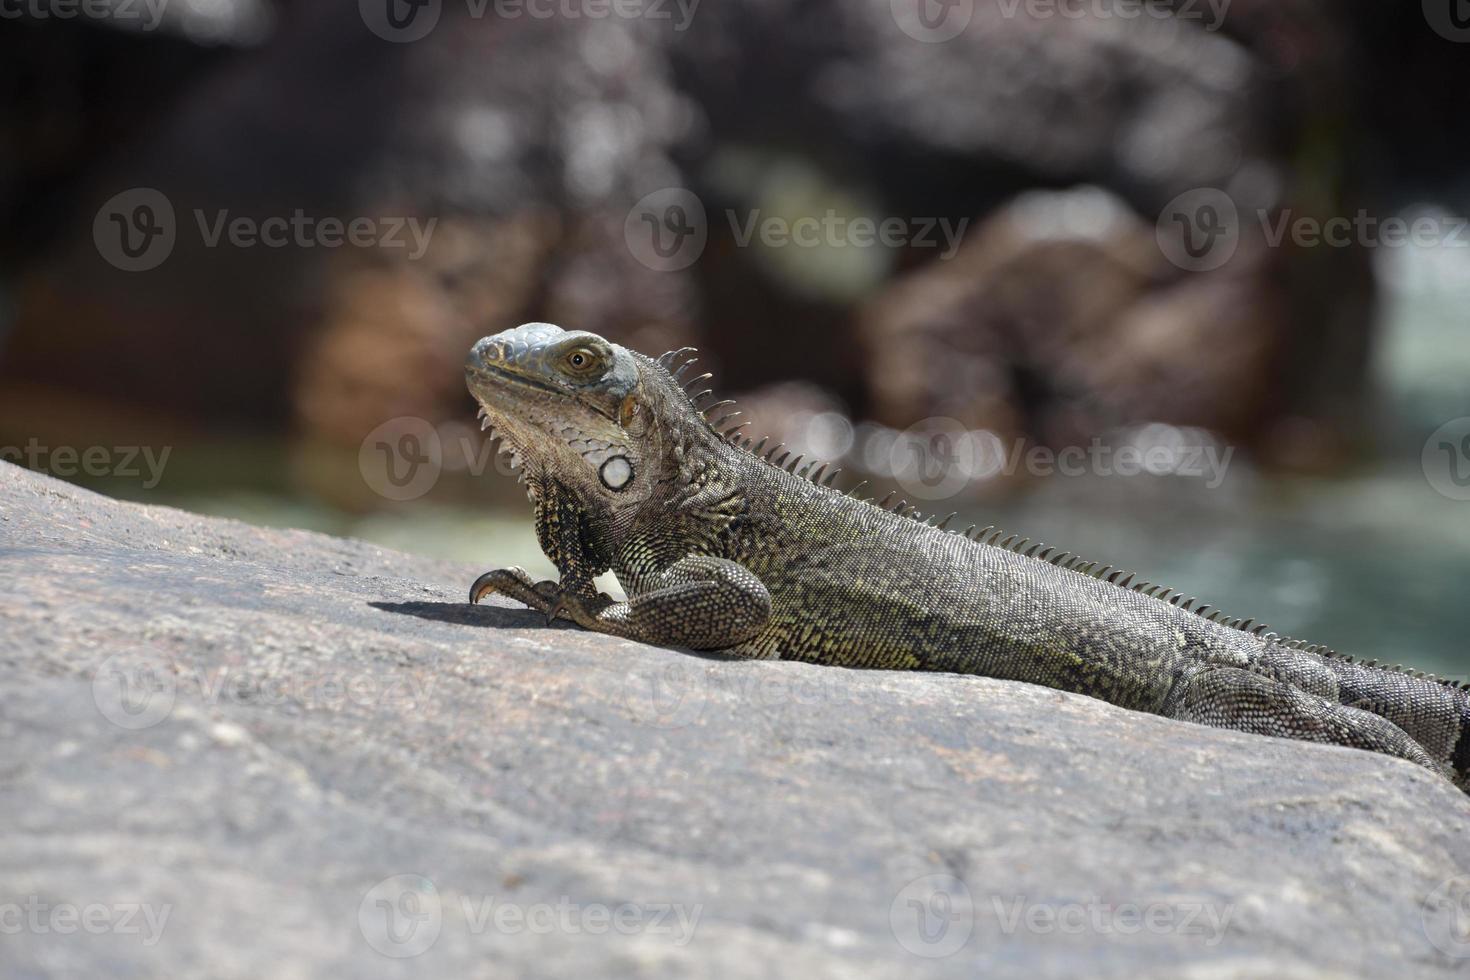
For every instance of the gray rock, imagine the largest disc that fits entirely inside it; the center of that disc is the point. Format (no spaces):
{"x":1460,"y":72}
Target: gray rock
{"x":239,"y":752}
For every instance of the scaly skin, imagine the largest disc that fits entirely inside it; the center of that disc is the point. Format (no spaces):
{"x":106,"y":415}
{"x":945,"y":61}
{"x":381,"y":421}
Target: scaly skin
{"x":719,"y":548}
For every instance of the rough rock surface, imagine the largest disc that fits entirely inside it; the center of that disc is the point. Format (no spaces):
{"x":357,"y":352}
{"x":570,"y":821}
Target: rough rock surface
{"x":257,"y":732}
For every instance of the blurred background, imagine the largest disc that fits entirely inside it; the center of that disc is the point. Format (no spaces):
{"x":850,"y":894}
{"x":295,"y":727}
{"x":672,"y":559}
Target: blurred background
{"x":1205,"y":257}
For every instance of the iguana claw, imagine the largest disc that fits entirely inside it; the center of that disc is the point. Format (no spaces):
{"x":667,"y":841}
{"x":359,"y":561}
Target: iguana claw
{"x":492,"y":581}
{"x":514,"y":583}
{"x":475,"y":592}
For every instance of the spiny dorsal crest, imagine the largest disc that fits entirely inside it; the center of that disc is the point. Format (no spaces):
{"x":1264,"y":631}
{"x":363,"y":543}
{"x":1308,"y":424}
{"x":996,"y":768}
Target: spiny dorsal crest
{"x":721,"y":417}
{"x":668,"y":359}
{"x":679,"y":361}
{"x":999,"y":539}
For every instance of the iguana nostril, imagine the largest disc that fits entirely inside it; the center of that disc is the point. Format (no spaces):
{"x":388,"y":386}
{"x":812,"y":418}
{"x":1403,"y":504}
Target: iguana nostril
{"x":477,"y":356}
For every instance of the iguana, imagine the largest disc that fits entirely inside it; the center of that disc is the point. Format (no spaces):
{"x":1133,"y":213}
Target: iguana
{"x":721,"y":545}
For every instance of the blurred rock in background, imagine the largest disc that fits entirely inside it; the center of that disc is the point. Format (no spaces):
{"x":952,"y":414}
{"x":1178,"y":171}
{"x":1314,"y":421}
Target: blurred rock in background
{"x":1054,"y":142}
{"x":1060,"y":319}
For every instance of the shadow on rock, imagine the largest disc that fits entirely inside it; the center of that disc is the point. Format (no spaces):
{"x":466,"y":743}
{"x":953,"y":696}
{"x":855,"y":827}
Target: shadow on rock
{"x":502,"y":618}
{"x":470,"y":615}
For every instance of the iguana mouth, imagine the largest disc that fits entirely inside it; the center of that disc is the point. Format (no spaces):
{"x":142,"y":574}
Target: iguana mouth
{"x":501,"y":376}
{"x":497,"y":375}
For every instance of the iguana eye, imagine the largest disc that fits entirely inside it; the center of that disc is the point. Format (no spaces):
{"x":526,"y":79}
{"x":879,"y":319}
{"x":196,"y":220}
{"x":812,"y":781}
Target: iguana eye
{"x":581,"y":360}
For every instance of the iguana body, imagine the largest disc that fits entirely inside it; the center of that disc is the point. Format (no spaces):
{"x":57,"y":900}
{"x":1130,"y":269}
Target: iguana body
{"x":721,"y":548}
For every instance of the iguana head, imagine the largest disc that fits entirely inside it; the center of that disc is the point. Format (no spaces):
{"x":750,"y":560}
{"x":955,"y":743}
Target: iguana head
{"x":578,"y":410}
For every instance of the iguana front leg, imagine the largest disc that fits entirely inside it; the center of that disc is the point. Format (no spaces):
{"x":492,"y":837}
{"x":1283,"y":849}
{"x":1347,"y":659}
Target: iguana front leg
{"x":515,"y":584}
{"x":699,"y":602}
{"x":563,"y":537}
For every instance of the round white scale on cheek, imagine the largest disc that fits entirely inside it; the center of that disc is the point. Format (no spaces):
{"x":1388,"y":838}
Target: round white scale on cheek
{"x":616,"y":473}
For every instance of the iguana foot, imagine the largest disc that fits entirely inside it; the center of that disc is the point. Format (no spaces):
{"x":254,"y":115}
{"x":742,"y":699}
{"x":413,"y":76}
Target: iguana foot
{"x":698,"y":601}
{"x":514,"y":583}
{"x":1227,"y":697}
{"x":582,"y":611}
